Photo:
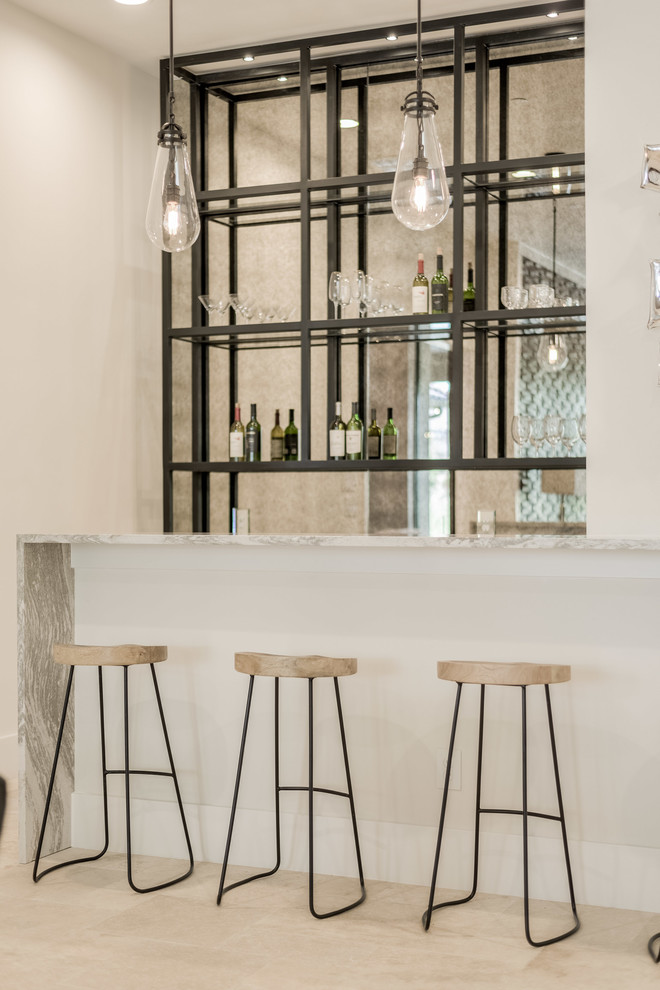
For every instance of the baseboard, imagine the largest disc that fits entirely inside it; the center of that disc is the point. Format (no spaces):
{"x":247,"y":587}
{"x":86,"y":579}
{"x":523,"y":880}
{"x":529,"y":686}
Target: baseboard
{"x":604,"y":875}
{"x":9,"y":758}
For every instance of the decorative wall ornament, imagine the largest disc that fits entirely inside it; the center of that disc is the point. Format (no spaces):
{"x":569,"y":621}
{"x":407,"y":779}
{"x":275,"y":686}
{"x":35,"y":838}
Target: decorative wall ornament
{"x":651,"y":167}
{"x":654,"y":308}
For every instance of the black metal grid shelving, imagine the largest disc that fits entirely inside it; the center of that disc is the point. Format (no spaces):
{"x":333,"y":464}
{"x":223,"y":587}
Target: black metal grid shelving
{"x":467,"y":42}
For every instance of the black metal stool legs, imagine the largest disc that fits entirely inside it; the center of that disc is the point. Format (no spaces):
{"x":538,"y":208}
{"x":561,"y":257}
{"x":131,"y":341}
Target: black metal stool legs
{"x":36,"y":876}
{"x":525,"y":813}
{"x":257,"y":876}
{"x":560,"y":818}
{"x":348,"y":794}
{"x":150,"y":773}
{"x":126,"y":773}
{"x":310,"y":788}
{"x":426,"y":918}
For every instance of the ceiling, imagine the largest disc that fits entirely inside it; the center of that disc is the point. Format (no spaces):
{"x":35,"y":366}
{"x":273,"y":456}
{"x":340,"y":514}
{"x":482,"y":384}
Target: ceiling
{"x":140,"y":34}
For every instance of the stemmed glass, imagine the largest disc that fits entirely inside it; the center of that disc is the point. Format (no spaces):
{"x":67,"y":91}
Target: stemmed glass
{"x":569,"y":433}
{"x":357,"y":288}
{"x":397,"y":299}
{"x":345,"y":294}
{"x":537,"y":433}
{"x":582,"y":427}
{"x":372,"y":294}
{"x":552,"y":425}
{"x":520,"y":429}
{"x":212,"y":305}
{"x":334,"y":290}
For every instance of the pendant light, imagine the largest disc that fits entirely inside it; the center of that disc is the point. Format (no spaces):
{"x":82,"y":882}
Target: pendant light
{"x":552,"y":353}
{"x":420,"y":196}
{"x":172,"y":216}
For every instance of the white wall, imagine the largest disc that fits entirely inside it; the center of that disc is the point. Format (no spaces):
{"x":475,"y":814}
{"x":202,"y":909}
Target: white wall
{"x":80,"y":344}
{"x":623,"y":235}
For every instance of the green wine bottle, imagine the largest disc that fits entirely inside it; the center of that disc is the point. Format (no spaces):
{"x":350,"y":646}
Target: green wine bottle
{"x":439,"y":287}
{"x":253,"y":436}
{"x":337,"y":436}
{"x":450,"y":293}
{"x":354,"y":436}
{"x":291,"y":439}
{"x":468,"y":295}
{"x":277,"y":440}
{"x":373,"y":439}
{"x":420,"y":288}
{"x":390,"y":438}
{"x":237,"y":437}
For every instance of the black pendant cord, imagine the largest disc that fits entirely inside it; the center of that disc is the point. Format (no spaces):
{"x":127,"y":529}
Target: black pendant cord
{"x":420,"y":115}
{"x":171,"y":93}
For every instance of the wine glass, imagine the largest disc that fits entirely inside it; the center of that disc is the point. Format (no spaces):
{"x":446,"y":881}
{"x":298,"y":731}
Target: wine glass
{"x":334,"y":286}
{"x":357,"y":288}
{"x":397,"y":299}
{"x":582,"y":427}
{"x":537,"y":433}
{"x":552,"y":426}
{"x":520,"y":429}
{"x":569,"y":433}
{"x":371,"y":294}
{"x":345,"y":294}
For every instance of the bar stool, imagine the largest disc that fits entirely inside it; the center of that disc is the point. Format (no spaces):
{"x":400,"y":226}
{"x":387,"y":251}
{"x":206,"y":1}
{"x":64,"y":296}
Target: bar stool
{"x":311,"y":667}
{"x":113,"y":656}
{"x":522,"y":675}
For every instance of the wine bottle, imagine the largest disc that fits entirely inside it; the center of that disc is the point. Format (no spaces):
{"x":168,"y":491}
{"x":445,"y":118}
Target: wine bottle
{"x":450,"y":291}
{"x":337,"y":436}
{"x":237,"y":437}
{"x":373,"y":439}
{"x":439,"y":287}
{"x":468,"y":295}
{"x":253,"y":436}
{"x":291,"y":439}
{"x":354,"y":436}
{"x":277,"y":440}
{"x":390,"y":438}
{"x":420,"y":288}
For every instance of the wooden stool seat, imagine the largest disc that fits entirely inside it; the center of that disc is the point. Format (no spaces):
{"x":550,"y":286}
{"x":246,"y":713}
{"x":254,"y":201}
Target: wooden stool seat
{"x":513,"y":674}
{"x":273,"y":665}
{"x":107,"y":656}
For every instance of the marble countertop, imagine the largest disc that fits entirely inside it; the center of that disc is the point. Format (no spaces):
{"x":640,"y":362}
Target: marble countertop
{"x":532,"y":542}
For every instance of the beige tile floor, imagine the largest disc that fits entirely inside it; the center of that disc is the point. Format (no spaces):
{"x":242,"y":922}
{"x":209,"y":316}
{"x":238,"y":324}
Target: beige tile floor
{"x":84,"y":929}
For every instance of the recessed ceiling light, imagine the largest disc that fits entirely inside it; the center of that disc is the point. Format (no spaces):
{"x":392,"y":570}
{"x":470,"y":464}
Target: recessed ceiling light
{"x":282,"y":78}
{"x":248,"y":58}
{"x":553,"y":13}
{"x":523,"y":173}
{"x":572,"y":37}
{"x":131,"y":3}
{"x":346,"y":122}
{"x":392,"y":36}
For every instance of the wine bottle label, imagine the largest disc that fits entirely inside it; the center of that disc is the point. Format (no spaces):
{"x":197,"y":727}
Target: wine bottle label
{"x":253,"y":442}
{"x":468,"y":305}
{"x":389,"y":445}
{"x":439,"y":298}
{"x":291,"y":444}
{"x":337,"y":443}
{"x":353,"y":441}
{"x":276,"y":448}
{"x":373,"y":448}
{"x":236,"y":445}
{"x":420,"y":299}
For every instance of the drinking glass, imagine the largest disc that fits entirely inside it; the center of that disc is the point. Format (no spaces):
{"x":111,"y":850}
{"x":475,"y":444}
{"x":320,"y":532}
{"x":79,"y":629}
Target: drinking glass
{"x":520,"y":428}
{"x":541,"y":295}
{"x":537,"y":433}
{"x":344,"y":294}
{"x":371,"y":294}
{"x":397,"y":299}
{"x":552,"y":426}
{"x":582,"y":427}
{"x":357,"y":288}
{"x":334,"y":287}
{"x":513,"y":297}
{"x":569,"y":433}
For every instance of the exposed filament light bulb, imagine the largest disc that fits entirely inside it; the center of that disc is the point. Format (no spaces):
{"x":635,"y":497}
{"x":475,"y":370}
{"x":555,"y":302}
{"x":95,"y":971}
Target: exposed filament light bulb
{"x":552,"y":353}
{"x":420,"y":195}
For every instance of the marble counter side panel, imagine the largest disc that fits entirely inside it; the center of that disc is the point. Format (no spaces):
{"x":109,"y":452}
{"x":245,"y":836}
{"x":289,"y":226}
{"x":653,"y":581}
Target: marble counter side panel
{"x":45,"y":616}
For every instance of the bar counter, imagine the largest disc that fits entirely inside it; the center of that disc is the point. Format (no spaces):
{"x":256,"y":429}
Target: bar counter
{"x":398,"y":604}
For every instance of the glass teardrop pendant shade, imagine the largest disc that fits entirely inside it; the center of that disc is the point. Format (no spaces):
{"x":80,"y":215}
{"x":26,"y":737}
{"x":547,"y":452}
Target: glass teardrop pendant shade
{"x":420,"y":195}
{"x":172,"y":217}
{"x":552,"y":353}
